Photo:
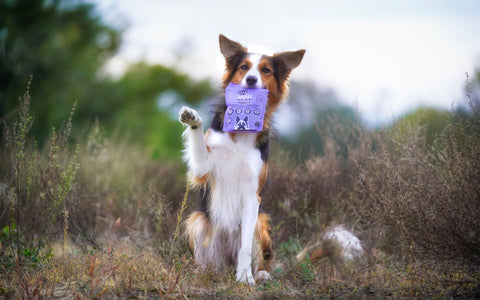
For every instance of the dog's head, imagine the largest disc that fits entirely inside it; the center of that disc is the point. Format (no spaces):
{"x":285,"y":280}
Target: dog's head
{"x":255,"y":70}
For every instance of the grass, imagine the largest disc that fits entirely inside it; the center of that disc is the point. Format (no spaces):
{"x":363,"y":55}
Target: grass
{"x":102,"y":220}
{"x":134,"y":270}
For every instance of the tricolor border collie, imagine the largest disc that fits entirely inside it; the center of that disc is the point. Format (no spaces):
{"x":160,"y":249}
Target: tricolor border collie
{"x":231,"y":169}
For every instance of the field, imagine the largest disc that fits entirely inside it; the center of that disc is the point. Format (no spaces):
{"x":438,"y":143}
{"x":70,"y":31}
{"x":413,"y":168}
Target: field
{"x":99,"y":218}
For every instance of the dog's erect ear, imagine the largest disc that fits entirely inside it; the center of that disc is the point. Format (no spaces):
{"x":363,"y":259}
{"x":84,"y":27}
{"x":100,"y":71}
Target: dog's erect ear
{"x":238,"y":119}
{"x":245,"y":119}
{"x":286,"y":61}
{"x":290,"y":59}
{"x":230,"y":48}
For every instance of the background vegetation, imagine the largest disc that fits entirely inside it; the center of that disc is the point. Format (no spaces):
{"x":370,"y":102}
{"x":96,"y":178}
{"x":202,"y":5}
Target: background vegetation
{"x":92,"y":188}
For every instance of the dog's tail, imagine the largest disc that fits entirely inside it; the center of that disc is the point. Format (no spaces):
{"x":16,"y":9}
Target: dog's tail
{"x":337,"y":243}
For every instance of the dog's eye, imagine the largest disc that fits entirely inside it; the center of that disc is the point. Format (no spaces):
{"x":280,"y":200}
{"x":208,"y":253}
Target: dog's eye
{"x":266,"y":70}
{"x":244,"y":67}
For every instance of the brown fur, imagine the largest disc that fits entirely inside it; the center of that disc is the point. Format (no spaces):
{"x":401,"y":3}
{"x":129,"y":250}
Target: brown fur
{"x":264,"y":243}
{"x":199,"y":181}
{"x":262,"y":179}
{"x":207,"y":134}
{"x":320,"y":250}
{"x":196,"y":218}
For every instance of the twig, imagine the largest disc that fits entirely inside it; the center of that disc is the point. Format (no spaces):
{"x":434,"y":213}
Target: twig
{"x":179,"y":218}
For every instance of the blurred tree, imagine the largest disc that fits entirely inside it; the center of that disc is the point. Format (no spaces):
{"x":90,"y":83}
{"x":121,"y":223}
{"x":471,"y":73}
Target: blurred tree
{"x":473,"y":90}
{"x":62,"y":44}
{"x":139,"y":104}
{"x":339,"y":124}
{"x":317,"y":114}
{"x":430,"y":120}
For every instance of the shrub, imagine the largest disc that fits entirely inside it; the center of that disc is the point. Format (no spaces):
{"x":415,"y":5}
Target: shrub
{"x":36,"y":187}
{"x":305,"y":197}
{"x":118,"y":180}
{"x":426,"y":198}
{"x":80,"y":192}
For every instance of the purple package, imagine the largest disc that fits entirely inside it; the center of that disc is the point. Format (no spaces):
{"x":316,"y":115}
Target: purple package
{"x":245,"y":109}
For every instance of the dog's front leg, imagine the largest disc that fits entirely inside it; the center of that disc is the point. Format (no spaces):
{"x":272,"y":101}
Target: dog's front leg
{"x":196,"y":154}
{"x":245,"y":255}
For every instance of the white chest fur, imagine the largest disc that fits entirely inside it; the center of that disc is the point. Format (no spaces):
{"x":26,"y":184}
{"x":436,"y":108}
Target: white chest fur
{"x":236,"y":165}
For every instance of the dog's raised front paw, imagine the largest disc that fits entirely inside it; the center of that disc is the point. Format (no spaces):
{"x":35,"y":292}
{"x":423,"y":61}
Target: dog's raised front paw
{"x":190,"y":117}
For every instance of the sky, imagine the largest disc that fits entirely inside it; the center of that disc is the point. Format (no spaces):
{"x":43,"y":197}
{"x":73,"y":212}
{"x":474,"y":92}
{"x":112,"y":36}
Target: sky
{"x":385,"y":58}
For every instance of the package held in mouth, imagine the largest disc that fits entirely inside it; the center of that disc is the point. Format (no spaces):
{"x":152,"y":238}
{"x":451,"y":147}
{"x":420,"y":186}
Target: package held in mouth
{"x":245,"y":109}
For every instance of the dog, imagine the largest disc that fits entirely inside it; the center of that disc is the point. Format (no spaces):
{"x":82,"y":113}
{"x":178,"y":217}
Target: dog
{"x":231,"y":169}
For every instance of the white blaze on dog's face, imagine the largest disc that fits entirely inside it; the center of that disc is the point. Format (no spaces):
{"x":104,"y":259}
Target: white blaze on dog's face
{"x":252,"y":77}
{"x":254,"y":71}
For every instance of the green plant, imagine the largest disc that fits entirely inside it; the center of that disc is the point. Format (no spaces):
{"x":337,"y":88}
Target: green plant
{"x":306,"y":270}
{"x":36,"y":187}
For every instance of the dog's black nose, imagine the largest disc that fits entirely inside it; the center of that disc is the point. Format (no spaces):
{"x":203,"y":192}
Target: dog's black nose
{"x":251,"y":80}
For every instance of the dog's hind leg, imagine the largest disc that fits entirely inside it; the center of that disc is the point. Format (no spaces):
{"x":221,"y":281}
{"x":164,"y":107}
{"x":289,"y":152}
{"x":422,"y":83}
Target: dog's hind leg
{"x":264,"y":250}
{"x":198,"y":232}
